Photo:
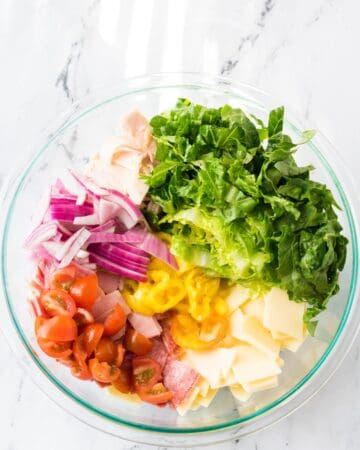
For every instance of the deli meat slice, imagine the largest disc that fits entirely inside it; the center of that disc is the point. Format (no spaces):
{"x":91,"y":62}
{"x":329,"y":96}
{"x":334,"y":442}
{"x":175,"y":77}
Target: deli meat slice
{"x":179,"y":378}
{"x":158,"y":352}
{"x":170,"y":345}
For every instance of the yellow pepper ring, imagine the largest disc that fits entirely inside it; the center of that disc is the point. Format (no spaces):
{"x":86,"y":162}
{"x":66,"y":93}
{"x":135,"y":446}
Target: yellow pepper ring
{"x":188,"y":333}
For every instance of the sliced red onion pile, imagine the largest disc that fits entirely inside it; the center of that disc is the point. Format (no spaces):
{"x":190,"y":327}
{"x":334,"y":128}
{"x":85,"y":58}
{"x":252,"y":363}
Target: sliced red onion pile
{"x":94,"y":228}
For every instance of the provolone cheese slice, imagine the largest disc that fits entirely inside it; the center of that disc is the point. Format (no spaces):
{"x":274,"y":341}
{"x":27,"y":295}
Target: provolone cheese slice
{"x":213,"y":365}
{"x":254,"y":308}
{"x":250,"y":330}
{"x":261,"y":385}
{"x":283,"y":315}
{"x":239,"y":393}
{"x":252,"y":364}
{"x":238,"y":295}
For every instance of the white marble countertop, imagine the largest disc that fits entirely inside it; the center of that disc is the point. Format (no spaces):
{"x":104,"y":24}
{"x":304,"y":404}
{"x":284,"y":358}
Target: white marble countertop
{"x":305,"y":53}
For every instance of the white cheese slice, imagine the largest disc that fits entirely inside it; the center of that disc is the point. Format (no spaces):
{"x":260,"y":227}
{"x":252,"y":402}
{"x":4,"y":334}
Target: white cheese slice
{"x":254,"y":308}
{"x":249,"y":329}
{"x":213,"y":365}
{"x":204,"y":400}
{"x":292,"y":344}
{"x":239,"y":393}
{"x":238,"y":295}
{"x":186,"y":404}
{"x":261,"y":385}
{"x":252,"y":364}
{"x":283,"y":315}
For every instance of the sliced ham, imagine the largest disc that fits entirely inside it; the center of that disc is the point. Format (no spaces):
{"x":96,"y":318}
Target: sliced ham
{"x":123,"y":158}
{"x":104,"y":305}
{"x":146,"y":325}
{"x":158,"y":352}
{"x":109,"y":282}
{"x":179,"y":378}
{"x":169,"y":343}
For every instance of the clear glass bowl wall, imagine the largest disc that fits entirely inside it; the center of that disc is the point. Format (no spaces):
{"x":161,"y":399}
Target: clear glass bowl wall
{"x":81,"y":133}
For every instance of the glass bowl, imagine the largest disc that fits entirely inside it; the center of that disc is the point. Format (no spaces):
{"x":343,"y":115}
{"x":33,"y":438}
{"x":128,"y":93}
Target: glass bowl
{"x":77,"y":135}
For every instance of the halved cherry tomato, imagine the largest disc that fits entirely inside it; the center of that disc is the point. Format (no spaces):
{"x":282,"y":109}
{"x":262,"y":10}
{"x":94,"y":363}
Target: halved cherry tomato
{"x":92,"y":335}
{"x":78,"y":349}
{"x":123,"y":382}
{"x":137,"y":343}
{"x":83,"y":317}
{"x":157,"y":395}
{"x":55,"y":349}
{"x":146,"y":373}
{"x":106,"y":351}
{"x":84,"y":291}
{"x":120,"y":355}
{"x":58,"y":328}
{"x":58,"y":302}
{"x":63,"y":278}
{"x":114,"y":321}
{"x":81,"y":370}
{"x":103,"y":372}
{"x":68,"y":361}
{"x":38,"y":322}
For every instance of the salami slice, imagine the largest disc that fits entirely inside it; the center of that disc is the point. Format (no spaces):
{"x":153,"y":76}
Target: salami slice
{"x":158,"y":352}
{"x":179,"y":378}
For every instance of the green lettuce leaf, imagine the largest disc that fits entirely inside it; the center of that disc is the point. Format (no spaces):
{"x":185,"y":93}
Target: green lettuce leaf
{"x":237,"y":203}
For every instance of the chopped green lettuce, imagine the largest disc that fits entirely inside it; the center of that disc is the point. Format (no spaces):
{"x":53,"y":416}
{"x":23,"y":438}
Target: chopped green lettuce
{"x":238,"y":204}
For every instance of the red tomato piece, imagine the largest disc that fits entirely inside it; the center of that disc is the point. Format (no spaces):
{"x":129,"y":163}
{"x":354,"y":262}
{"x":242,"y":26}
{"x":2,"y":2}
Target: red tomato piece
{"x":83,"y":317}
{"x":146,"y":373}
{"x":137,"y":343}
{"x":58,"y":328}
{"x":63,"y":278}
{"x":92,"y":335}
{"x":123,"y":382}
{"x":84,"y":291}
{"x":106,"y":351}
{"x":57,"y":302}
{"x":80,"y":370}
{"x":114,"y":321}
{"x":103,"y":372}
{"x":55,"y":349}
{"x":68,"y":361}
{"x":38,"y":322}
{"x":157,"y":395}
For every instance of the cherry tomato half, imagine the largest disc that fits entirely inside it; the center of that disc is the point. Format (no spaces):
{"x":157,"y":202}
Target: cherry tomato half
{"x":84,"y":291}
{"x":92,"y":335}
{"x":106,"y":351}
{"x":137,"y":343}
{"x":157,"y":395}
{"x":83,"y":317}
{"x":120,"y":355}
{"x":146,"y":373}
{"x":57,"y":302}
{"x":103,"y":372}
{"x":58,"y":328}
{"x":123,"y":382}
{"x":114,"y":321}
{"x":63,"y":278}
{"x":80,"y":370}
{"x":55,"y":349}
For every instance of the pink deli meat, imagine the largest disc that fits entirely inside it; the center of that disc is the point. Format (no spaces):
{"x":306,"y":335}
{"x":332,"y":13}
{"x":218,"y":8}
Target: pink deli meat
{"x":179,"y":378}
{"x":158,"y":353}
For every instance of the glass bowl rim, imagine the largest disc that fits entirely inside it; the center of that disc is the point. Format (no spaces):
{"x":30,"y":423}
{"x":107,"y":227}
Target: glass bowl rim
{"x":196,"y":81}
